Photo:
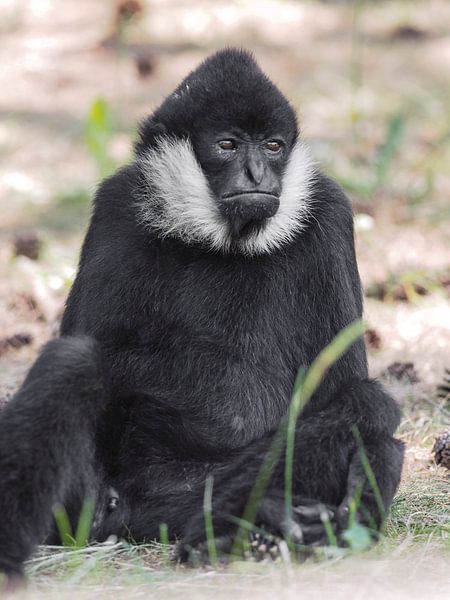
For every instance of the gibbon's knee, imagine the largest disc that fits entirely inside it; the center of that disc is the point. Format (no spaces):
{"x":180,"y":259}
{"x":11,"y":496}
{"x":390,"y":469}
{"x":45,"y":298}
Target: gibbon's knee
{"x":70,"y":360}
{"x":67,"y":374}
{"x":367,"y":405}
{"x":55,"y":411}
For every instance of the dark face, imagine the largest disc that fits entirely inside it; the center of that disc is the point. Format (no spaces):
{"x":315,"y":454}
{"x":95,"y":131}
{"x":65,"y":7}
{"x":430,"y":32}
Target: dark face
{"x":244,"y":173}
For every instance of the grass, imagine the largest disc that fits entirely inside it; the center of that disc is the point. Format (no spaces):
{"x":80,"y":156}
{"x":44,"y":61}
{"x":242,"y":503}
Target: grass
{"x":410,"y":561}
{"x":81,"y":536}
{"x":420,"y":511}
{"x":100,"y":126}
{"x":142,"y":571}
{"x":207,"y":510}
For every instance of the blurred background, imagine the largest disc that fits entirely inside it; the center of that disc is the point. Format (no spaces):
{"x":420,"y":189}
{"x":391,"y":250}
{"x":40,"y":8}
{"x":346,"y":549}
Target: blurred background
{"x":371,"y":83}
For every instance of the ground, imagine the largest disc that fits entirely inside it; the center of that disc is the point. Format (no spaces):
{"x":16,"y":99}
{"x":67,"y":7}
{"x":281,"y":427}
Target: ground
{"x":371,"y":83}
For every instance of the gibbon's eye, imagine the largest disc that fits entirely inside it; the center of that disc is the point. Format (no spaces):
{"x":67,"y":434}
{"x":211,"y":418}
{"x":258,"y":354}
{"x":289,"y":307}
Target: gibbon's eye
{"x":227,"y":144}
{"x":273,"y":146}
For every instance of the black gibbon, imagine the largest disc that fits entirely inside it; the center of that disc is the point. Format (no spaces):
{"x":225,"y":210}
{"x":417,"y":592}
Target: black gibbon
{"x":215,"y":265}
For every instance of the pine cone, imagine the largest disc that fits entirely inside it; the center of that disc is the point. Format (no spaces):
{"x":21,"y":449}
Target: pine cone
{"x":15,"y":341}
{"x":27,"y":244}
{"x":441,"y":449}
{"x":373,"y":339}
{"x":402,"y":372}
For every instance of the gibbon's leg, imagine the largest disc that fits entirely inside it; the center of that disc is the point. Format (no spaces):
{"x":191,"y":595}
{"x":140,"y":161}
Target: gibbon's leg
{"x":173,"y":494}
{"x":329,"y":468}
{"x":168,"y":490}
{"x":168,"y":493}
{"x":47,"y":445}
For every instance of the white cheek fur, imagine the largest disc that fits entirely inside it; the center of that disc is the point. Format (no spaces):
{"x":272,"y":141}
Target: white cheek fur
{"x":177,"y":201}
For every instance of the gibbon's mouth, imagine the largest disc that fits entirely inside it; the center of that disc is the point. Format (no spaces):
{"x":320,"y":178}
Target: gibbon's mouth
{"x":236,"y":194}
{"x":247,"y":212}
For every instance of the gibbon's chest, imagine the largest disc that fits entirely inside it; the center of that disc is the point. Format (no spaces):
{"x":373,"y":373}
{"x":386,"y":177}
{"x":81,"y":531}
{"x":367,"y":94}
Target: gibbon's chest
{"x":247,"y":309}
{"x":228,"y":345}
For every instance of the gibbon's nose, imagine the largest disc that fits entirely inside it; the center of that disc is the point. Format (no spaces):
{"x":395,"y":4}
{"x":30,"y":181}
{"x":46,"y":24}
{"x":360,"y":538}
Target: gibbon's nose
{"x":244,"y":209}
{"x":255,"y":170}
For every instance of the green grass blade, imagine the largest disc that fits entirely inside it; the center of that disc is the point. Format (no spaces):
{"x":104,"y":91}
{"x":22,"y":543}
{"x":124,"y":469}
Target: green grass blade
{"x":387,"y":151}
{"x":64,"y":527}
{"x":209,"y":528}
{"x":99,"y":131}
{"x":164,"y":541}
{"x":163,"y":534}
{"x":325,"y":518}
{"x":354,"y":505}
{"x":369,"y":474}
{"x":301,"y":396}
{"x":289,"y":455}
{"x":85,"y":523}
{"x":329,"y":355}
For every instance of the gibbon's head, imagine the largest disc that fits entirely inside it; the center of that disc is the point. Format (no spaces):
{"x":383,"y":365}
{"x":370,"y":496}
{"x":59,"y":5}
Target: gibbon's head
{"x":221,"y":161}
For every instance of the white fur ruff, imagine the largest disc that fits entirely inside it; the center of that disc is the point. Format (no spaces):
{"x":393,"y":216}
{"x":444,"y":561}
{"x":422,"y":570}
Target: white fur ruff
{"x":177,"y":201}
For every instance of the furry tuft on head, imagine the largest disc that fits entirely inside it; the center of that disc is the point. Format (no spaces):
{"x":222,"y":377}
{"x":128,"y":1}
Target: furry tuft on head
{"x":228,"y":89}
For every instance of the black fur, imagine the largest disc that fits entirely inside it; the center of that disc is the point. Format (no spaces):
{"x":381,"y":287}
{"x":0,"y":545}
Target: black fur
{"x":193,"y":363}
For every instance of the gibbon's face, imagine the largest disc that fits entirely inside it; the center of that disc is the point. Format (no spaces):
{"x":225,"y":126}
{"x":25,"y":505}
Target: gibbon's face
{"x":244,"y":173}
{"x":221,"y":161}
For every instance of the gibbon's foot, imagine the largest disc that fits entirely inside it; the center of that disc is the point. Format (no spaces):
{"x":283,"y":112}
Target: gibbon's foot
{"x":306,"y":526}
{"x":311,"y":524}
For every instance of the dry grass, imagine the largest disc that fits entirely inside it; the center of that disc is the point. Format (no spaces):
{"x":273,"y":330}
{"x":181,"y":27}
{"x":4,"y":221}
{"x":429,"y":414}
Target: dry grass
{"x":403,"y":569}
